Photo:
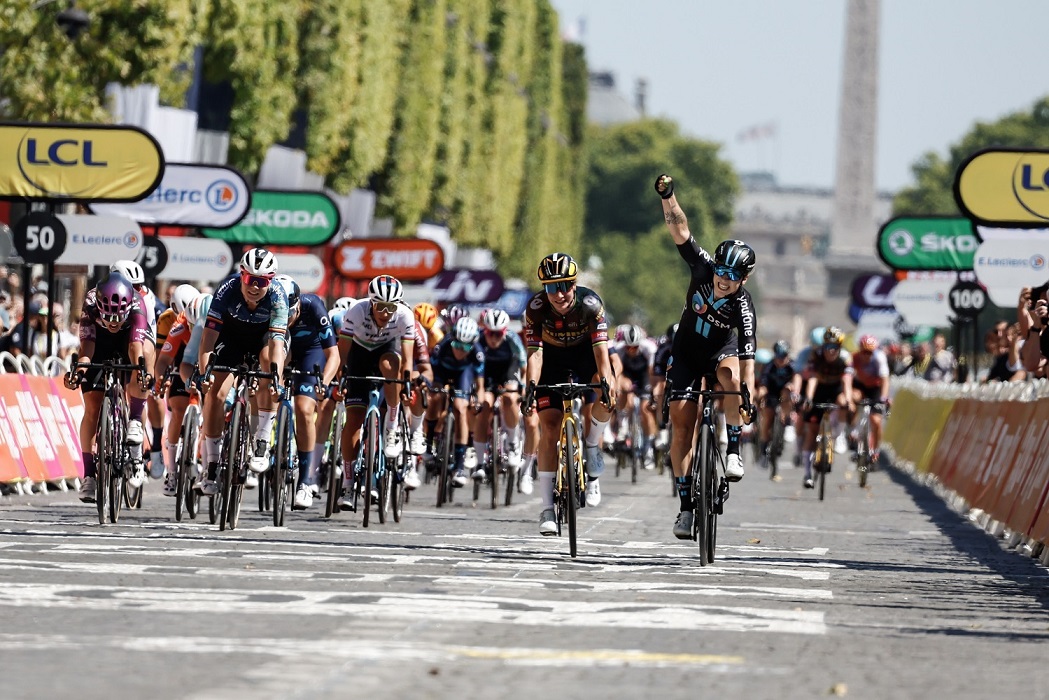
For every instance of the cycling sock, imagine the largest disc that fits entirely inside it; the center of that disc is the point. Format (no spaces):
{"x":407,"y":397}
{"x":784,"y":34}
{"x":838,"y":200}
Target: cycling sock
{"x":212,"y":449}
{"x":460,"y":456}
{"x":306,"y":473}
{"x":89,"y":464}
{"x":417,"y":423}
{"x":391,"y":416}
{"x":546,"y":489}
{"x":529,"y":463}
{"x":734,"y":433}
{"x":806,"y":458}
{"x":431,"y":426}
{"x":154,"y":444}
{"x":265,"y":425}
{"x":169,"y":460}
{"x":253,"y":423}
{"x":481,"y":448}
{"x":597,"y":428}
{"x":318,"y":456}
{"x":684,"y":491}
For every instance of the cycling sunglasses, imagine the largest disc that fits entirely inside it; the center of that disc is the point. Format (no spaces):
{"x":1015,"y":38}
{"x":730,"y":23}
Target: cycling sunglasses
{"x":555,"y":287}
{"x":258,"y":281}
{"x":387,"y":307}
{"x":464,"y":347}
{"x":495,"y":334}
{"x":831,"y":346}
{"x":729,"y":273}
{"x":111,"y":319}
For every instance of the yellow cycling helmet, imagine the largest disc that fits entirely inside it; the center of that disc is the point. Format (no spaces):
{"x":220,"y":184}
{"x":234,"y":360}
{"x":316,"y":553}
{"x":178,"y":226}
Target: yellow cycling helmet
{"x":426,"y":314}
{"x":833,"y":336}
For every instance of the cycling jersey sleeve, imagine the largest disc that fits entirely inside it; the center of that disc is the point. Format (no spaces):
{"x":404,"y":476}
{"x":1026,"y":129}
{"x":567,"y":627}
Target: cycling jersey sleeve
{"x":278,"y":327}
{"x":193,"y":346}
{"x":693,"y":254}
{"x":220,"y":302}
{"x":519,"y":356}
{"x":748,"y":327}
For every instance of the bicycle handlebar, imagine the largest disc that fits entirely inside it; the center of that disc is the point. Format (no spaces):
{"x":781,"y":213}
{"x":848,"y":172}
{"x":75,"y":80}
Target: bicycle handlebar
{"x":76,"y":376}
{"x":567,"y":391}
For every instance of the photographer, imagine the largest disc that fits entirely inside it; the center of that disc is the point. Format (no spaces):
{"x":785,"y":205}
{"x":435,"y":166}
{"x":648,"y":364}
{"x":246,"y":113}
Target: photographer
{"x":1032,"y":311}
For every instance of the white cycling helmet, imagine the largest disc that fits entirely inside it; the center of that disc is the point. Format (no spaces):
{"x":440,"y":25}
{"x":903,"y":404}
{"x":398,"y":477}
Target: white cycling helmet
{"x":130,"y":269}
{"x":466,"y":331}
{"x":259,"y":262}
{"x":495,"y":320}
{"x":182,"y":296}
{"x":385,"y":288}
{"x":632,"y":336}
{"x":197,"y":309}
{"x":343,"y":303}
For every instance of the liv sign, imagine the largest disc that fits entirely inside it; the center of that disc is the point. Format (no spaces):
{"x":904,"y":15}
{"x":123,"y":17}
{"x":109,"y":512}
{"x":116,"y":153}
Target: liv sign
{"x":284,"y":218}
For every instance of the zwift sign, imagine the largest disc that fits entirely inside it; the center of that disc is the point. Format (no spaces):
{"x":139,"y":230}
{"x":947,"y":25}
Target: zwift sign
{"x":284,"y":218}
{"x":407,"y":259}
{"x":189,"y":195}
{"x":82,"y":162}
{"x":927,"y":243}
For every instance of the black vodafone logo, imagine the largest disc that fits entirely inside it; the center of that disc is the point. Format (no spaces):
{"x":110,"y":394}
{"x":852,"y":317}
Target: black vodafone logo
{"x":153,"y":257}
{"x":967,"y":299}
{"x":40,"y":238}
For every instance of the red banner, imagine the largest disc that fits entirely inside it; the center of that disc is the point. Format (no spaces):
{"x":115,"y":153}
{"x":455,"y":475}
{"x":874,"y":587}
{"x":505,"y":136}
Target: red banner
{"x":39,"y":429}
{"x":407,"y":259}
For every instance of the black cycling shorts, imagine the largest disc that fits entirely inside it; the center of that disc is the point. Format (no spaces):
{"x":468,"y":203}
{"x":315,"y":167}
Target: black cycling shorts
{"x":692,"y":359}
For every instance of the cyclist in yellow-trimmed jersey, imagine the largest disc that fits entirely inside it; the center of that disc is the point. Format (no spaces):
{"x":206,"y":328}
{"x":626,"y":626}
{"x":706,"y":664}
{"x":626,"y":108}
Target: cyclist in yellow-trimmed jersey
{"x":426,"y":315}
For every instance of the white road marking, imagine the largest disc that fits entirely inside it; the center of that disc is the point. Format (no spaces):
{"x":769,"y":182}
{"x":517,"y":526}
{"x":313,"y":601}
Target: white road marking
{"x":444,"y":609}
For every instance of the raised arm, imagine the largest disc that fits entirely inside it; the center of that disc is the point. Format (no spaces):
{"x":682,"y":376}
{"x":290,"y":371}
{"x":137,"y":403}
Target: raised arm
{"x":672,"y":214}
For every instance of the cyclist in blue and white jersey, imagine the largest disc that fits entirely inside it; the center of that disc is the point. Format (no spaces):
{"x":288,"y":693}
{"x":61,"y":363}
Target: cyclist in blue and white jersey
{"x":717,"y":336}
{"x":636,"y":353}
{"x":248,"y":316}
{"x":504,"y":359}
{"x":312,"y":345}
{"x":458,"y":359}
{"x":376,"y":338}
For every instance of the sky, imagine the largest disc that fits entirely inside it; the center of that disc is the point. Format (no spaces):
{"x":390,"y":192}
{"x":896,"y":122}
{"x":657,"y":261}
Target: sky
{"x":721,"y":67}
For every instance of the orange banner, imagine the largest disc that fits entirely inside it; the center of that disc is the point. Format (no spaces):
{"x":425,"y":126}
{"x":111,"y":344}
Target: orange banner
{"x":39,"y":429}
{"x":407,"y":259}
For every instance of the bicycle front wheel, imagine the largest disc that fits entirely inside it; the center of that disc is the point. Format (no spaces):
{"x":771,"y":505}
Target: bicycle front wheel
{"x":284,"y":463}
{"x":105,"y":455}
{"x":371,"y":461}
{"x":230,"y":463}
{"x":119,"y":462}
{"x":569,"y":487}
{"x":703,"y":503}
{"x":822,"y":465}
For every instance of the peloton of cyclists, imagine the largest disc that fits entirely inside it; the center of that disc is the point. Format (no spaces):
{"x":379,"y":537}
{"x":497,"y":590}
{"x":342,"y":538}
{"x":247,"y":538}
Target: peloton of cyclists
{"x":779,"y":389}
{"x":636,"y":353}
{"x":504,"y":358}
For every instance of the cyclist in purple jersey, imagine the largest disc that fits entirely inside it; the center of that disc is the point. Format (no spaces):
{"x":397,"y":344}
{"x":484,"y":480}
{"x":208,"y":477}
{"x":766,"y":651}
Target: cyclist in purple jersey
{"x":248,"y":317}
{"x":114,"y":327}
{"x":716,"y":337}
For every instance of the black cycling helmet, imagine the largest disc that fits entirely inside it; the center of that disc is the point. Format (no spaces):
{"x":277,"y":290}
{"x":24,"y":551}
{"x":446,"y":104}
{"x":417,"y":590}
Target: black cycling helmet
{"x":557,"y":267}
{"x":781,"y":349}
{"x":737,"y":255}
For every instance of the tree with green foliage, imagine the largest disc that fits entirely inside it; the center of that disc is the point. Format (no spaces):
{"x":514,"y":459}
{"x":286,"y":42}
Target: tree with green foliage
{"x":641,"y":271}
{"x":932,"y":192}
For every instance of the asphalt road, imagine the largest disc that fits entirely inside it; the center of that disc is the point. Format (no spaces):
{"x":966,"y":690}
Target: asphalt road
{"x":876,"y":593}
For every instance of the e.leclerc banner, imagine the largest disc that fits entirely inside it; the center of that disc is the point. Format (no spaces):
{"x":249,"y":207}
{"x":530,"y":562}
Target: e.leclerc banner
{"x":278,"y":217}
{"x":99,"y":240}
{"x":83,"y":162}
{"x":927,"y":243}
{"x":189,"y":195}
{"x":1005,"y":187}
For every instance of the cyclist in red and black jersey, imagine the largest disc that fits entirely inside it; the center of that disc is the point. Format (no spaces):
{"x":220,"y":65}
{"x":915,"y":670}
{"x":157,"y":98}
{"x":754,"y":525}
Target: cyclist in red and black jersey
{"x":566,"y":335}
{"x":716,"y":337}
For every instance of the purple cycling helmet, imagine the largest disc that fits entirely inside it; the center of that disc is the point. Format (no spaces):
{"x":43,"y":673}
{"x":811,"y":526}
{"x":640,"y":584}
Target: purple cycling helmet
{"x":114,"y":297}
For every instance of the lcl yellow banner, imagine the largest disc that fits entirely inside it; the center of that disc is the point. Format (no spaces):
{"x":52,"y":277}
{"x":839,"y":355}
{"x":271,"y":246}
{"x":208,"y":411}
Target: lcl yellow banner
{"x":84,"y":162}
{"x":1005,"y":187}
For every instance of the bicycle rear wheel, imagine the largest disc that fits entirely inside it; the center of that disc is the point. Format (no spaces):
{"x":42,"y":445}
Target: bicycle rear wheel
{"x":821,"y":466}
{"x":371,"y":456}
{"x":570,"y":486}
{"x":333,"y":466}
{"x":637,"y":442}
{"x":183,"y":461}
{"x":863,"y":457}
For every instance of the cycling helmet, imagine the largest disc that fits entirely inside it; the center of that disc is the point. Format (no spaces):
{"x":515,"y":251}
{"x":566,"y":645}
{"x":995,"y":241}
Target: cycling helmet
{"x":343,"y":303}
{"x":671,"y":332}
{"x":632,"y":336}
{"x":198,"y":309}
{"x":180,"y":298}
{"x":495,"y":320}
{"x":781,"y":349}
{"x":816,"y":338}
{"x":868,"y":343}
{"x":453,"y":313}
{"x":425,"y":314}
{"x":737,"y":255}
{"x":259,"y":262}
{"x":385,"y":288}
{"x":291,"y":288}
{"x":557,"y":267}
{"x":833,"y":336}
{"x":131,"y":271}
{"x":466,"y":331}
{"x":114,"y":297}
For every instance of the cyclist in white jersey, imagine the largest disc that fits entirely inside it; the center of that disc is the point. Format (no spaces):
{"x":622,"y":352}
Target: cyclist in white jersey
{"x":376,"y":337}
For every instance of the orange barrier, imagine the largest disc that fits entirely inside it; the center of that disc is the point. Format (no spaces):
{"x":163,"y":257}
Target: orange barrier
{"x":992,"y":451}
{"x":39,"y":429}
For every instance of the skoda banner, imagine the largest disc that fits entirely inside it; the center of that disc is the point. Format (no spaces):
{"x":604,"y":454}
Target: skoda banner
{"x":284,"y":218}
{"x":306,"y":269}
{"x":927,"y":243}
{"x":1005,"y":266}
{"x":196,"y":259}
{"x":189,"y":195}
{"x":83,"y":162}
{"x":1005,"y":187}
{"x":99,"y":240}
